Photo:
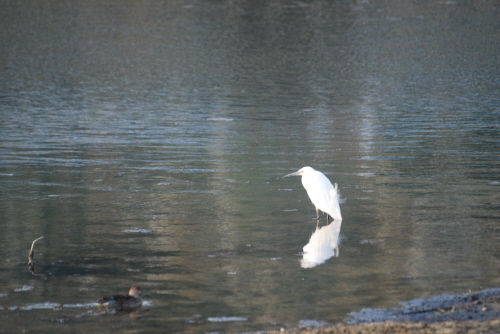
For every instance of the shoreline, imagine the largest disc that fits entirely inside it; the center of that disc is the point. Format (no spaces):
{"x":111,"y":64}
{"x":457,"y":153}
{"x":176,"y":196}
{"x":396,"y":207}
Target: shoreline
{"x":472,"y":312}
{"x":447,"y":327}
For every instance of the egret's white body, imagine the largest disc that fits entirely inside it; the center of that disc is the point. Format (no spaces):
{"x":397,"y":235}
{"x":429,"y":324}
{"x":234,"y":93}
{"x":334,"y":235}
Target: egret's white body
{"x":322,"y":193}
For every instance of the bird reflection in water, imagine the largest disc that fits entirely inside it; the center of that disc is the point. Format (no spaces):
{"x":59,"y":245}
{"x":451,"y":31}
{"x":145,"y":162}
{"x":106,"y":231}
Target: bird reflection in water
{"x":323,"y":244}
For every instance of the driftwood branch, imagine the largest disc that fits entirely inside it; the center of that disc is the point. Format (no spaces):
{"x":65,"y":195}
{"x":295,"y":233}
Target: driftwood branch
{"x":31,"y":263}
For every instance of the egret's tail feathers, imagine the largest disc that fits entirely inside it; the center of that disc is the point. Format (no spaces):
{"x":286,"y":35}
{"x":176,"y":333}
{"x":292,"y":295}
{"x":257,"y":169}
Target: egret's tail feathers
{"x":334,"y":204}
{"x":336,"y":215}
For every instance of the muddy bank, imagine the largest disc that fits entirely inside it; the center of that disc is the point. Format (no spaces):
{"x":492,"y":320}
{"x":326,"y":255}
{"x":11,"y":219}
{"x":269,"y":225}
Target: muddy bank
{"x":448,"y":327}
{"x":473,"y":312}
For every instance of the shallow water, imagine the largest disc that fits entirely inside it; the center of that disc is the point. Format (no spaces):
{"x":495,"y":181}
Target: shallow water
{"x":146,"y":142}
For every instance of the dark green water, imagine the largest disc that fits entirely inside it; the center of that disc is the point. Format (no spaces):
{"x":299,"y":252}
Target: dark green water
{"x":146,"y":141}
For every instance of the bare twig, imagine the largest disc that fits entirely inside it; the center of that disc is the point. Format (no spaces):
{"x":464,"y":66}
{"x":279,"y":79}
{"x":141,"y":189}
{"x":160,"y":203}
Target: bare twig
{"x":31,"y":263}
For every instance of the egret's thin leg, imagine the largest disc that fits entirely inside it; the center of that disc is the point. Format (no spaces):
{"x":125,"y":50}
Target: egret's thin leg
{"x":317,"y":214}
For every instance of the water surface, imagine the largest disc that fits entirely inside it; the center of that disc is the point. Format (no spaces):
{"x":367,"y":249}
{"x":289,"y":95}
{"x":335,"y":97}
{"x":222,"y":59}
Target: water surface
{"x":146,"y":142}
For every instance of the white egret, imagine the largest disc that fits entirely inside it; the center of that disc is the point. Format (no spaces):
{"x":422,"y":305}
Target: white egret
{"x":322,"y":193}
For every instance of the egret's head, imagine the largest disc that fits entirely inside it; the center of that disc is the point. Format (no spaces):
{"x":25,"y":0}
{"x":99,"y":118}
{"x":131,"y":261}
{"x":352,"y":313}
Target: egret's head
{"x":301,"y":171}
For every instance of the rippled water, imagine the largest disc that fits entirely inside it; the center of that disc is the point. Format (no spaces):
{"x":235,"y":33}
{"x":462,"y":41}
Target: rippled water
{"x":146,"y":142}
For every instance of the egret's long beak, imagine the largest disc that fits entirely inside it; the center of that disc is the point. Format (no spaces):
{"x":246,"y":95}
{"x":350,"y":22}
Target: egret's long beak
{"x":293,"y":174}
